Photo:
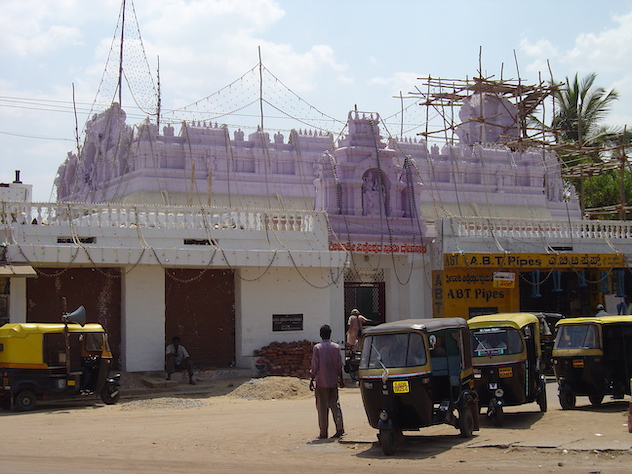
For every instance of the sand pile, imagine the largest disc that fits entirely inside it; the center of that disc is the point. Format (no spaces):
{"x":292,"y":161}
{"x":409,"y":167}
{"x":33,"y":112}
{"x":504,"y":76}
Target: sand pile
{"x":270,"y":388}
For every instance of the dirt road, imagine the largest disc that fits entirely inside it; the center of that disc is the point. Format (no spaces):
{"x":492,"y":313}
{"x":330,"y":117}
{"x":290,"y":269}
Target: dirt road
{"x":220,"y":433}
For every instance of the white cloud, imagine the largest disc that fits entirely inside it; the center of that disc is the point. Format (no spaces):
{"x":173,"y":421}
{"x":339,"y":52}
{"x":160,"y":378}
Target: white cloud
{"x":35,"y":27}
{"x":605,"y":52}
{"x":544,"y":54}
{"x":26,"y":39}
{"x":399,"y":82}
{"x":204,"y":45}
{"x":540,"y":49}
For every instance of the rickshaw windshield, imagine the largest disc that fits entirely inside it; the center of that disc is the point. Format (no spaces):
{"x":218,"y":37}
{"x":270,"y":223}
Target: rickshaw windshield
{"x":577,"y":336}
{"x":93,"y":342}
{"x":393,"y":350}
{"x":496,"y":341}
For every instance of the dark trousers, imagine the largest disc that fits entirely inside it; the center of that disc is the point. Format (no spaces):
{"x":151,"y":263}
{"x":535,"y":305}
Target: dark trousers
{"x":327,"y":399}
{"x":173,"y":367}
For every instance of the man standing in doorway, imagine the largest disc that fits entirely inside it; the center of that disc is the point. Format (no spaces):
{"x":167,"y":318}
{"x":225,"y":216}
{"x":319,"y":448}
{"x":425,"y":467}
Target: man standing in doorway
{"x":354,"y":332}
{"x":326,"y":371}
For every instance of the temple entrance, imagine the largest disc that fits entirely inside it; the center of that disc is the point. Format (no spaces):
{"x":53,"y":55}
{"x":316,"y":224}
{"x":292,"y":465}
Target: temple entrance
{"x":366,"y":291}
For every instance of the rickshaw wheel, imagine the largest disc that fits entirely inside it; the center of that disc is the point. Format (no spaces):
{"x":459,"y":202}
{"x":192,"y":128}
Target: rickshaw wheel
{"x":567,"y":399}
{"x":595,"y":399}
{"x":496,"y":414}
{"x":541,"y":399}
{"x":24,"y":401}
{"x":110,"y":394}
{"x":466,"y":422}
{"x":387,"y":441}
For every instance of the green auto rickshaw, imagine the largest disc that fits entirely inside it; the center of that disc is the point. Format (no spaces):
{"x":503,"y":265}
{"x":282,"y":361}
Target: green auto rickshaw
{"x":46,"y":361}
{"x":592,"y":356}
{"x":507,"y":359}
{"x":416,"y":373}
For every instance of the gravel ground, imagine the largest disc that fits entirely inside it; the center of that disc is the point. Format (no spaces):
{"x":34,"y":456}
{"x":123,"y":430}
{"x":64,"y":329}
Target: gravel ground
{"x":188,"y":396}
{"x":168,"y":403}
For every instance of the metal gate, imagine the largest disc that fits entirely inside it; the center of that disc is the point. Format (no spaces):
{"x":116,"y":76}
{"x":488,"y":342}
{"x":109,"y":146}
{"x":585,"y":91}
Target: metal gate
{"x":98,"y":290}
{"x":368,"y":298}
{"x":200,"y":309}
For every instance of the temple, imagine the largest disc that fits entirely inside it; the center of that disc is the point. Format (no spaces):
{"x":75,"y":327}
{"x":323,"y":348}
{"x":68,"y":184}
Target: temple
{"x":232,"y":240}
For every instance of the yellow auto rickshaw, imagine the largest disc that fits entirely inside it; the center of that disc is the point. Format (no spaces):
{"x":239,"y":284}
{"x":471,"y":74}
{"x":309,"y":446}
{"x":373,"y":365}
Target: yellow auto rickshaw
{"x":506,"y":354}
{"x":55,"y":360}
{"x":416,"y":373}
{"x":592,"y":356}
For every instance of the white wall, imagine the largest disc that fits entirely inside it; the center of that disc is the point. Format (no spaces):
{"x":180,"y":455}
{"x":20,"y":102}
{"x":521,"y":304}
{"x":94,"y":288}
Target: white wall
{"x":143,"y":319}
{"x":407,"y":296}
{"x":17,"y":300}
{"x":283,"y":291}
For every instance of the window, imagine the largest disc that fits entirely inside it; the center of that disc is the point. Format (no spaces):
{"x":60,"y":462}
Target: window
{"x":496,"y":341}
{"x":577,"y":336}
{"x":93,"y":341}
{"x":393,"y":350}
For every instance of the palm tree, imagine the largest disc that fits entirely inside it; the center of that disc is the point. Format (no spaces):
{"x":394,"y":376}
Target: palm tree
{"x":585,"y":144}
{"x":580,"y":109}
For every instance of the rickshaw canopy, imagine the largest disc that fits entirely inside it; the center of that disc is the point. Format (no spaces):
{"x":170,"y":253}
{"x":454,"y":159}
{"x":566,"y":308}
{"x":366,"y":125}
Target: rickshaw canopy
{"x":515,"y":320}
{"x":616,"y":319}
{"x":27,"y":329}
{"x":22,"y":344}
{"x":425,"y":325}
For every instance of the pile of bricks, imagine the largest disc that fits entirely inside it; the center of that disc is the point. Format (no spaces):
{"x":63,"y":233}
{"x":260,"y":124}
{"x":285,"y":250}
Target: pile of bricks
{"x":291,"y":359}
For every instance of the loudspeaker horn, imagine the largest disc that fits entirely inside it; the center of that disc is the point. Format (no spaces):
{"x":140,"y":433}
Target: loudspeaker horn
{"x":77,"y":316}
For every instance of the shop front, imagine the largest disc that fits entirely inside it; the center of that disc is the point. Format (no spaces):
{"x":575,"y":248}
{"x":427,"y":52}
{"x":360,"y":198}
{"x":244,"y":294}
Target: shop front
{"x":472,"y":284}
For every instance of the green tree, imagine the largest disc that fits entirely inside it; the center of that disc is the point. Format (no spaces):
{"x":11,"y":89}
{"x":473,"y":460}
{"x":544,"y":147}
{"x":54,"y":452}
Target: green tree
{"x":580,"y":109}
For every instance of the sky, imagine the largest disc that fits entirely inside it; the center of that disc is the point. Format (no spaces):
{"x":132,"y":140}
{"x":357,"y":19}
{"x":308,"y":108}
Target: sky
{"x":335,"y":55}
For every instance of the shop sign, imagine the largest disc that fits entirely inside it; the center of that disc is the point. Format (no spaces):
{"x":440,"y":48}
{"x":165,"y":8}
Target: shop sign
{"x":463,"y":293}
{"x":504,"y":280}
{"x":373,"y":247}
{"x":530,"y":261}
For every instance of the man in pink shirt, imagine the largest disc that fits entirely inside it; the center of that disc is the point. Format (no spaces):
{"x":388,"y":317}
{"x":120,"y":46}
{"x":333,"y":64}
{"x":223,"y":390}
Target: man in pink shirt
{"x":326,"y":371}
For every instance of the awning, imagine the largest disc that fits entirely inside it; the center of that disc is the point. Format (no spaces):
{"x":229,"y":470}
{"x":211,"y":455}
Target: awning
{"x":17,"y":271}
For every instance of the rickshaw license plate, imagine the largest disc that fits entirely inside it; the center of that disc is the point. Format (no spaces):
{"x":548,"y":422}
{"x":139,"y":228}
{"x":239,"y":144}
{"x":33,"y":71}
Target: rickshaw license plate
{"x":578,"y":363}
{"x":400,"y":386}
{"x":505,"y":372}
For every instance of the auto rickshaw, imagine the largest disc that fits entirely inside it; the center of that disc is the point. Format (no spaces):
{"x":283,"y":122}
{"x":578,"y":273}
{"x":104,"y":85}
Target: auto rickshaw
{"x":506,"y":354}
{"x":55,"y":360}
{"x":352,"y":362}
{"x":547,"y":338}
{"x":593,"y":356}
{"x":416,"y":373}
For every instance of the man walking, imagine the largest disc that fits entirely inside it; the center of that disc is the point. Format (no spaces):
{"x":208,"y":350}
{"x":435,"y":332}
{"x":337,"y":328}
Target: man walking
{"x":326,"y":371}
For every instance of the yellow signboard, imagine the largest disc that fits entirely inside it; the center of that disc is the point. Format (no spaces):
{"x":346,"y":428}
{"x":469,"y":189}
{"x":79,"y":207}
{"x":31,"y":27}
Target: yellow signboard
{"x":464,"y":293}
{"x":530,"y":261}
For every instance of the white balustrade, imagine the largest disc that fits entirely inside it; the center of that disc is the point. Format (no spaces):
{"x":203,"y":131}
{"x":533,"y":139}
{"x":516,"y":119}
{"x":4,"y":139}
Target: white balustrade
{"x":80,"y":215}
{"x":533,"y":229}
